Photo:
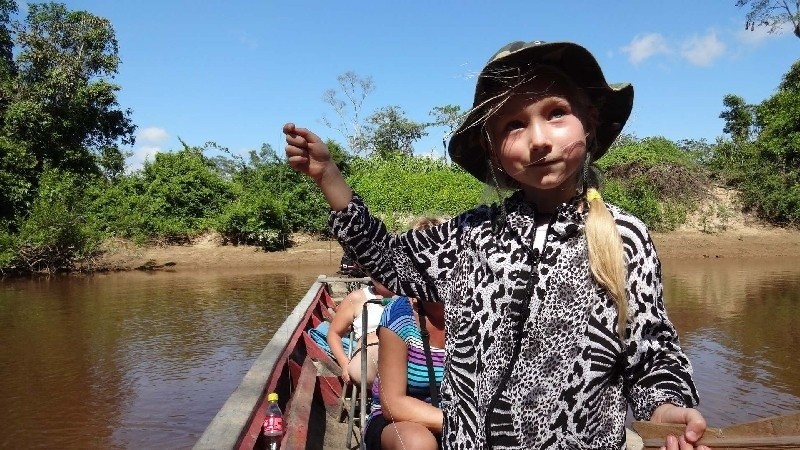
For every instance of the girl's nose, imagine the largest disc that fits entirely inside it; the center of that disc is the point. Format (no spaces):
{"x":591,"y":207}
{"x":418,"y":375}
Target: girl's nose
{"x":538,"y":139}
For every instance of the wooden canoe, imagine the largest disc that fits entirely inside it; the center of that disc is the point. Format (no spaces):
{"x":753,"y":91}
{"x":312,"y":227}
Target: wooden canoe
{"x":306,"y":379}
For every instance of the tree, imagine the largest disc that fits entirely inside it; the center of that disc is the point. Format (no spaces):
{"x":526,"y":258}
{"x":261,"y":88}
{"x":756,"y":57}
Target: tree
{"x":449,"y":117}
{"x":356,"y":90}
{"x":390,"y":131}
{"x":778,"y":118}
{"x":772,"y":13}
{"x":63,"y":106}
{"x":738,"y":118}
{"x":7,"y":69}
{"x":765,"y":168}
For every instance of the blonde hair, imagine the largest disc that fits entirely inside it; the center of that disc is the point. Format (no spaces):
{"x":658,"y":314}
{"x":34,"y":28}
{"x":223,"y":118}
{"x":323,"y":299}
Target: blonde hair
{"x":606,"y":256}
{"x":604,"y":243}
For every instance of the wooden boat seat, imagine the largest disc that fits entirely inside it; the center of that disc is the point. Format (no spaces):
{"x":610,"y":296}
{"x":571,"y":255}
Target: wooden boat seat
{"x":299,"y":408}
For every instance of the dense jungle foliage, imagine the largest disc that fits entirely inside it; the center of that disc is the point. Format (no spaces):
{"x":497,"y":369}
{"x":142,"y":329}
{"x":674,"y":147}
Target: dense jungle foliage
{"x":64,"y":188}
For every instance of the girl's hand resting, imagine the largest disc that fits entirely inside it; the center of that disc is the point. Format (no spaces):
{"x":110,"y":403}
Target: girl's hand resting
{"x":695,"y":426}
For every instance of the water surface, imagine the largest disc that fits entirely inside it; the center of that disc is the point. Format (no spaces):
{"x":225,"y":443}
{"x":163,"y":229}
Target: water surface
{"x":145,"y":360}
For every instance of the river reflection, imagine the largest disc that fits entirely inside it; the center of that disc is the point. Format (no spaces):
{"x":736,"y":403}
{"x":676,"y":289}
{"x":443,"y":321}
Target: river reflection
{"x":739,"y":321}
{"x":138,"y":360}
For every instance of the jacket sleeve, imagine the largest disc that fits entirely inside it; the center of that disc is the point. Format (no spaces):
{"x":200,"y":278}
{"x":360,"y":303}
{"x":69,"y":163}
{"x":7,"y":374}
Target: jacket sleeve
{"x":657,"y":369}
{"x":414,"y":263}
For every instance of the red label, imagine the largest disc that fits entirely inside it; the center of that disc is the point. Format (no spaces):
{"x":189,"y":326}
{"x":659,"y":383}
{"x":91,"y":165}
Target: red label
{"x":273,"y":425}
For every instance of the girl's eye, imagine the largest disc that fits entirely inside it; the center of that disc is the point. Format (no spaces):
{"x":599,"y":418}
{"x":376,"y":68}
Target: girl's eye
{"x":558,"y":113}
{"x":514,"y":125}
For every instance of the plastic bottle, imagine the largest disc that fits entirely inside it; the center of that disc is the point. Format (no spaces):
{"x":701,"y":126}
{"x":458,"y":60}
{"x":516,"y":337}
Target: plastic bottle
{"x":273,"y":423}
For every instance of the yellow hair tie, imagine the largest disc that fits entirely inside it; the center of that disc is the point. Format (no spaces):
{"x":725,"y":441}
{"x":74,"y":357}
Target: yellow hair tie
{"x":593,"y":194}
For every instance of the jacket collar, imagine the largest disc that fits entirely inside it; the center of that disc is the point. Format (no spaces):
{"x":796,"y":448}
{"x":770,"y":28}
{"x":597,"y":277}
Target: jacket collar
{"x":567,"y":221}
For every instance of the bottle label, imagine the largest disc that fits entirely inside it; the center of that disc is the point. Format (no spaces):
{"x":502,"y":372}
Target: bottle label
{"x":273,"y":425}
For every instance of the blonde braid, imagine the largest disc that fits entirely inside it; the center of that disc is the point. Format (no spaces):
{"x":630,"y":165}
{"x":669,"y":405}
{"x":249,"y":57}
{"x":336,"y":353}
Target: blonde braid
{"x":606,"y":257}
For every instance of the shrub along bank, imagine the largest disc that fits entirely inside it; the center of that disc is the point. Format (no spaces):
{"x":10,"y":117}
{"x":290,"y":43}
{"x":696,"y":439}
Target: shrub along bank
{"x":261,"y":201}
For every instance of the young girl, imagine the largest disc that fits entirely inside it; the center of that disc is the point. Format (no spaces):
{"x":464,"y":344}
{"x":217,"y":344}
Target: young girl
{"x":553,"y":299}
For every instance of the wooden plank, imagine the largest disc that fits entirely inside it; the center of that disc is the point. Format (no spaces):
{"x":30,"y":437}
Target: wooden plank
{"x":345,"y":279}
{"x":785,"y":425}
{"x":299,"y":408}
{"x":294,"y":374}
{"x":650,"y":430}
{"x":233,"y":425}
{"x":772,"y":432}
{"x":738,"y":442}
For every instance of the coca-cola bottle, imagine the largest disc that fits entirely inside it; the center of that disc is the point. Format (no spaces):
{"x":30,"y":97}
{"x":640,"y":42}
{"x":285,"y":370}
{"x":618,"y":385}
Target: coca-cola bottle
{"x":273,"y":423}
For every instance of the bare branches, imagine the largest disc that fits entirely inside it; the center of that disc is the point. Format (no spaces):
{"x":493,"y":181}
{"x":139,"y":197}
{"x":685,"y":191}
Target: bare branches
{"x":772,"y":13}
{"x":355,"y":89}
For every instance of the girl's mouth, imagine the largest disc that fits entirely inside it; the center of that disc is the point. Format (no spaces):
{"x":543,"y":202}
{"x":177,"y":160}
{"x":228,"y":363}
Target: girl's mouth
{"x":539,"y":162}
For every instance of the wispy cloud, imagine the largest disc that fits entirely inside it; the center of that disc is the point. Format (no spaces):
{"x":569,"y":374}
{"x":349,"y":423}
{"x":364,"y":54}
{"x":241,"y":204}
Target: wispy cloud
{"x":699,"y":50}
{"x":645,"y":46}
{"x":153,"y":135}
{"x":149,"y":141}
{"x":703,"y":50}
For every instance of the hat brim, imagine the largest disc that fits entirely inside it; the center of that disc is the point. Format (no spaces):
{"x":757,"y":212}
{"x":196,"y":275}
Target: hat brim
{"x":613,"y":102}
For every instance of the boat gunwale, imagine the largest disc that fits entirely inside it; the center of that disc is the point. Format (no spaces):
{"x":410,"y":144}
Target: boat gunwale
{"x":232,"y":423}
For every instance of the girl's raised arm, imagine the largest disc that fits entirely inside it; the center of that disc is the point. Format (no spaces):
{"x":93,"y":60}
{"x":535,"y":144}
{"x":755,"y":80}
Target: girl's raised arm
{"x":307,"y":154}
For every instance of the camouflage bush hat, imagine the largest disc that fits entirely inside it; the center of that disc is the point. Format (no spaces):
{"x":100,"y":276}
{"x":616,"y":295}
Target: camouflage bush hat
{"x":613,"y":102}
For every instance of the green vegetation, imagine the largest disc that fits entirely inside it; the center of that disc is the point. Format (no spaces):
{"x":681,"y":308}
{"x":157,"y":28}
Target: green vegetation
{"x":654,"y":179}
{"x":64,"y":189}
{"x":762,"y":159}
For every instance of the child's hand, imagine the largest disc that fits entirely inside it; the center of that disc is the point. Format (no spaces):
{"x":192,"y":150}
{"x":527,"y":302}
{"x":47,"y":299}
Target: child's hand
{"x":306,"y":152}
{"x":695,"y":426}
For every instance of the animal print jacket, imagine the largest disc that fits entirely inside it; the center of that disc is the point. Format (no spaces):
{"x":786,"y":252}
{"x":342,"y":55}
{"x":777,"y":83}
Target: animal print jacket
{"x":533,"y":356}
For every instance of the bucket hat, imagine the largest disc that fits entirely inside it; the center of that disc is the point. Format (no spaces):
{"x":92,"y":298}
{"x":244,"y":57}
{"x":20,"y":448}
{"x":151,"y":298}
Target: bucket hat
{"x":613,"y":101}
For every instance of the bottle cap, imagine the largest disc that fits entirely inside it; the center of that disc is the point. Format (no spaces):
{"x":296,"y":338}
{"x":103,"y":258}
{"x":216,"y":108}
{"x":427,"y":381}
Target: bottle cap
{"x":272,"y":397}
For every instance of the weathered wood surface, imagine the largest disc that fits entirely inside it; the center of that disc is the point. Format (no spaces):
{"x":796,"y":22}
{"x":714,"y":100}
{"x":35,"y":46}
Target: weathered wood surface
{"x":778,"y":432}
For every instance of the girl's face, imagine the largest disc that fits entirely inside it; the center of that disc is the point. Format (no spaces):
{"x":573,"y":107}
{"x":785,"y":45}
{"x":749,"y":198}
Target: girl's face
{"x":539,"y":139}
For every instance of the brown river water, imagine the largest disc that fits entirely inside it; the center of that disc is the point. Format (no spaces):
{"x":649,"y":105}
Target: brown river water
{"x":144,"y":360}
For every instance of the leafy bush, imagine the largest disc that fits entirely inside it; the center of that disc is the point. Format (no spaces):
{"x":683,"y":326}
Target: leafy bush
{"x":173,"y":198}
{"x":254,"y":220}
{"x":647,"y":152}
{"x":300,"y":202}
{"x":56,"y":234}
{"x":16,"y":186}
{"x":8,"y":251}
{"x":414,"y":186}
{"x":655,"y":180}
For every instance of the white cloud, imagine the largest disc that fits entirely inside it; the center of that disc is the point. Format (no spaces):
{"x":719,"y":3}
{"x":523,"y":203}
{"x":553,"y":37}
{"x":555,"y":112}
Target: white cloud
{"x":140,"y":155}
{"x":149,"y":141}
{"x":703,"y":50}
{"x":152,"y":135}
{"x":644,"y":46}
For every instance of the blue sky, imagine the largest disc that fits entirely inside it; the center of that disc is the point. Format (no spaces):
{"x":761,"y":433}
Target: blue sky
{"x":234,"y":71}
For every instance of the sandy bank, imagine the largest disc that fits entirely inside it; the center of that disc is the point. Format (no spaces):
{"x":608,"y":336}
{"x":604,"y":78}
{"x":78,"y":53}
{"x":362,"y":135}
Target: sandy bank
{"x":309,"y":253}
